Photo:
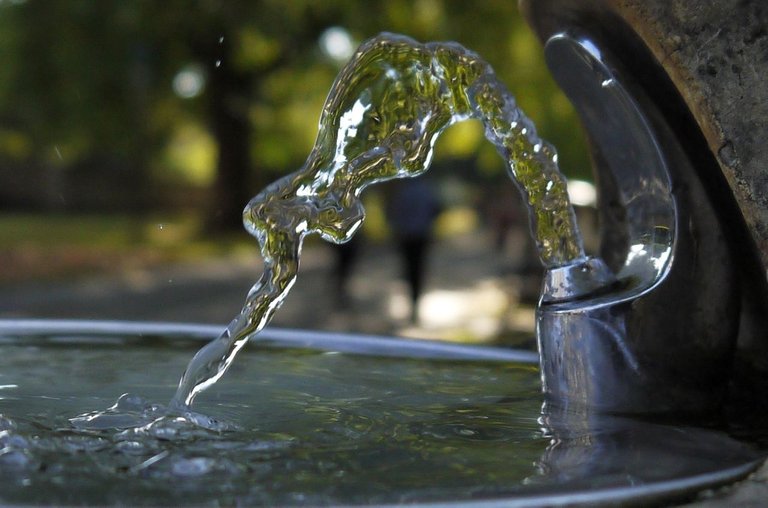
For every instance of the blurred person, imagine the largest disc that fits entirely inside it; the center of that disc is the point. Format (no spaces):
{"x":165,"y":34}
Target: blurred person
{"x":411,"y":212}
{"x":346,"y":258}
{"x":508,"y":218}
{"x":503,"y":205}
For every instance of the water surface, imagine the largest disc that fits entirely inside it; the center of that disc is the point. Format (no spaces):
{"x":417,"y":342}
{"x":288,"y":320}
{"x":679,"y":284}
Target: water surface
{"x":321,"y":427}
{"x":307,"y":427}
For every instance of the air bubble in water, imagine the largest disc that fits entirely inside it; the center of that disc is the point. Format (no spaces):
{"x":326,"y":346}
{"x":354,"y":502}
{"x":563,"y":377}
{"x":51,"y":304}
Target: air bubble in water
{"x":14,"y":459}
{"x":196,"y":466}
{"x":9,"y":440}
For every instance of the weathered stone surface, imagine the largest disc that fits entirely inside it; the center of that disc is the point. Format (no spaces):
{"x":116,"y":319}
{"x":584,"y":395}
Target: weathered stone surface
{"x":716,"y":53}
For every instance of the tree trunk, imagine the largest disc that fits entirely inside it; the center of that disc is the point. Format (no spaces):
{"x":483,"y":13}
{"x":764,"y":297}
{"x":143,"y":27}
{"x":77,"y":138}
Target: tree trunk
{"x":229,"y":100}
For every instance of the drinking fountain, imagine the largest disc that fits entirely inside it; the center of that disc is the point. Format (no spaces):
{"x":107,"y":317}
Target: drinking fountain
{"x":660,"y":338}
{"x":682,"y":330}
{"x":676,"y":133}
{"x":648,"y":352}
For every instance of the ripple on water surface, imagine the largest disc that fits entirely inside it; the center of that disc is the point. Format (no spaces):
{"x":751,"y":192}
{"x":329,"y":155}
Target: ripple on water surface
{"x":289,"y":426}
{"x":285,"y":426}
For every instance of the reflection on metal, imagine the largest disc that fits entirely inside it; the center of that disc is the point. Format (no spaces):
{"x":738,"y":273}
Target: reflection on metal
{"x":629,"y":149}
{"x":660,"y":337}
{"x":595,"y":446}
{"x":575,"y":281}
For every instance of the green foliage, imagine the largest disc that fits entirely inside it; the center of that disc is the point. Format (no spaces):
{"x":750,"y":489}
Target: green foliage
{"x":84,"y":80}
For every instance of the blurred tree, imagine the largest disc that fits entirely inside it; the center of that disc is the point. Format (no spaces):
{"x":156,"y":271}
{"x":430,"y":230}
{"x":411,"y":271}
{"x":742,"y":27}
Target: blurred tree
{"x":72,"y":88}
{"x":107,"y":86}
{"x":240,"y":44}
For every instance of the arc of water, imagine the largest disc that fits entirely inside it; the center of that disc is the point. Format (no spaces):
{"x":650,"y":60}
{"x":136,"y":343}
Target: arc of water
{"x":380,"y":121}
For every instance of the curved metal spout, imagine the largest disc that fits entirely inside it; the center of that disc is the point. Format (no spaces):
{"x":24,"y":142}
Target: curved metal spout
{"x":660,"y":339}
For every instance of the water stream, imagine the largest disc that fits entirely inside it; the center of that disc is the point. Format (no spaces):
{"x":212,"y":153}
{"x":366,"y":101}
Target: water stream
{"x":380,"y":121}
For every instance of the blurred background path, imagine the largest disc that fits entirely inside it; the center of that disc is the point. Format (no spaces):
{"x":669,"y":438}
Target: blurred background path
{"x":472,"y":293}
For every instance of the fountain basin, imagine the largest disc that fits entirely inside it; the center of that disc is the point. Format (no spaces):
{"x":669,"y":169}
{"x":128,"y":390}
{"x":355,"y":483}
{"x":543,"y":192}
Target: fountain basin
{"x":318,"y":418}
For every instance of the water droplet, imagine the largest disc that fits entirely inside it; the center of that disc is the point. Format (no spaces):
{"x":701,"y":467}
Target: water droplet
{"x":218,"y":63}
{"x":221,"y":40}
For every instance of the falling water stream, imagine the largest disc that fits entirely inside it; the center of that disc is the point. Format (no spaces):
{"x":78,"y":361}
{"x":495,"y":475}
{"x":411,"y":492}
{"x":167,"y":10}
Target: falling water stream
{"x":380,"y":121}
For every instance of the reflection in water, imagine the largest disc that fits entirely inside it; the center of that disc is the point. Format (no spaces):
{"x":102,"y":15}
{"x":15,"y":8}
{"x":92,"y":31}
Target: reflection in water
{"x":602,"y":458}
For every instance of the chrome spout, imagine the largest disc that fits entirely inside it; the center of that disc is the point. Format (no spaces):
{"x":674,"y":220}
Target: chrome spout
{"x":661,"y":337}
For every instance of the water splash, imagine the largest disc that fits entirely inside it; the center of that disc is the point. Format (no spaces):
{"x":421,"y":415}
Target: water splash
{"x":136,"y":415}
{"x":380,"y":121}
